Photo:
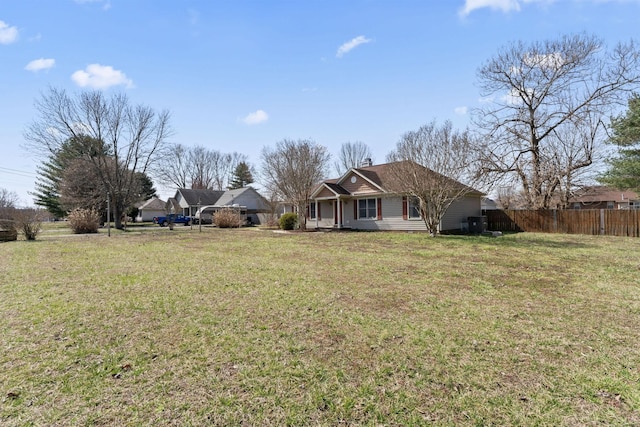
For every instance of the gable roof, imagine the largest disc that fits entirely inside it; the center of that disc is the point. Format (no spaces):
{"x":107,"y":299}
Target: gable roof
{"x":194,"y":197}
{"x":377,"y":176}
{"x":229,"y":196}
{"x":153,"y":204}
{"x":601,"y":193}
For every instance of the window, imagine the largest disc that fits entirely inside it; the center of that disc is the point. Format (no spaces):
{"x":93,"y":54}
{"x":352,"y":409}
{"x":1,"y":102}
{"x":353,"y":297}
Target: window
{"x":312,"y":210}
{"x":413,"y":208}
{"x":367,"y":209}
{"x":610,"y":205}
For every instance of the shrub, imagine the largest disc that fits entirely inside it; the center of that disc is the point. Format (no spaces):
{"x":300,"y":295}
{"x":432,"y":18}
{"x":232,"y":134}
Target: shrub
{"x":84,"y":221}
{"x":288,"y":221}
{"x":29,"y":221}
{"x":227,"y":218}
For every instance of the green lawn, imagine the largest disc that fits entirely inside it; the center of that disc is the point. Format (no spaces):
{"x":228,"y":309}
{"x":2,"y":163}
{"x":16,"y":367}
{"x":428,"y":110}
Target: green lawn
{"x":249,"y":327}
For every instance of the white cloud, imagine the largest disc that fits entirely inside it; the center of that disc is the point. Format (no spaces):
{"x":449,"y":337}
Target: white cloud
{"x":351,"y":44}
{"x":505,"y":6}
{"x":40,"y":64}
{"x":100,"y":77}
{"x":552,"y":60}
{"x":106,"y":4}
{"x":7,"y":34}
{"x":461,"y":111}
{"x":256,"y":118}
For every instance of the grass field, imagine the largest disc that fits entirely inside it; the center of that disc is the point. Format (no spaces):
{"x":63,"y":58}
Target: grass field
{"x":251,"y":327}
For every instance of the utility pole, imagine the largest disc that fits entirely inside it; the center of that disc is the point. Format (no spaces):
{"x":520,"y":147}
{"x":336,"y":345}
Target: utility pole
{"x":108,"y":215}
{"x":199,"y":217}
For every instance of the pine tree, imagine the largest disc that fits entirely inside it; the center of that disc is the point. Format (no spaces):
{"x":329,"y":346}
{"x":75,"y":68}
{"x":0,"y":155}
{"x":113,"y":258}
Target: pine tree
{"x":50,"y":172}
{"x":241,"y":176}
{"x":624,"y":170}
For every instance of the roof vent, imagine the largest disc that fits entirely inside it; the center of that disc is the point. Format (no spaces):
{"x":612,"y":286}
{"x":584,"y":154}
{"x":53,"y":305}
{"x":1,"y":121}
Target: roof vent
{"x":366,"y":162}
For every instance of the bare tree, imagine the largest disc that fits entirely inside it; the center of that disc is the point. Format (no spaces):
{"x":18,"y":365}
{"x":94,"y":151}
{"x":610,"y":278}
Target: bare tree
{"x":8,"y":199}
{"x":8,"y":205}
{"x":133,"y":135}
{"x":203,"y":165}
{"x":223,"y":167}
{"x":173,"y":167}
{"x":14,"y":219}
{"x":431,"y":165}
{"x":352,"y":155}
{"x":292,"y":169}
{"x":545,"y":105}
{"x":197,"y":167}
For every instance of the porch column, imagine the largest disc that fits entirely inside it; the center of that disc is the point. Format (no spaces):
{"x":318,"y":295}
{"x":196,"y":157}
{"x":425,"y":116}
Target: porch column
{"x":339,"y":202}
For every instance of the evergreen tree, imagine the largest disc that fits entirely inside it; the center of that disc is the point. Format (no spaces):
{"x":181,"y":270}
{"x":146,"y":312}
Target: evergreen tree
{"x":624,"y":170}
{"x":147,"y":190}
{"x":241,"y":176}
{"x":51,"y":172}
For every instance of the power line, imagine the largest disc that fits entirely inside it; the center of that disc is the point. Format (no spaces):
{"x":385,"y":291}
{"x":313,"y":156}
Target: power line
{"x":17,"y":172}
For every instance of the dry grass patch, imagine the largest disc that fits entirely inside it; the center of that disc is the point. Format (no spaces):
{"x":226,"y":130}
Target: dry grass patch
{"x":259,"y":328}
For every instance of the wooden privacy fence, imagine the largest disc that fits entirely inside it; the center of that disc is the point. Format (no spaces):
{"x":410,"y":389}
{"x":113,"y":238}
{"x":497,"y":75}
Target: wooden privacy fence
{"x":607,"y":222}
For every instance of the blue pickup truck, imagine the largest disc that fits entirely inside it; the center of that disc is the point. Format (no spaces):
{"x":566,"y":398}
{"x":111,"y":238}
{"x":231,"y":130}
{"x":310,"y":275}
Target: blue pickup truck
{"x":172,"y":218}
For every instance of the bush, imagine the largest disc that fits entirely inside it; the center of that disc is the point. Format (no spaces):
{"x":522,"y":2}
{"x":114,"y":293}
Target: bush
{"x":288,"y":221}
{"x":227,"y":218}
{"x":29,"y":221}
{"x":84,"y":221}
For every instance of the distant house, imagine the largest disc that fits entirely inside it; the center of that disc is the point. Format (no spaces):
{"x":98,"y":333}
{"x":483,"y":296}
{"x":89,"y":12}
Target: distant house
{"x":253,"y":206}
{"x":360,"y":199}
{"x":602,"y":197}
{"x":149,"y":209}
{"x":187,"y":201}
{"x":489,"y":204}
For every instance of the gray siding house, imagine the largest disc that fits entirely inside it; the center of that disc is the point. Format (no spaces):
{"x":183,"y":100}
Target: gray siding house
{"x":359,"y":200}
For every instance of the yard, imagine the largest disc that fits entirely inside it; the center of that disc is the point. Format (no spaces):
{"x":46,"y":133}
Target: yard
{"x":250,"y":327}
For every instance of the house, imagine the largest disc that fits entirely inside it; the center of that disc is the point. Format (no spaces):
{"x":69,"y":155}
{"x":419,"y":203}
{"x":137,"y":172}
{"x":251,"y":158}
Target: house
{"x":253,"y":206}
{"x":187,"y":201}
{"x":602,"y":197}
{"x":149,"y":209}
{"x":361,"y":200}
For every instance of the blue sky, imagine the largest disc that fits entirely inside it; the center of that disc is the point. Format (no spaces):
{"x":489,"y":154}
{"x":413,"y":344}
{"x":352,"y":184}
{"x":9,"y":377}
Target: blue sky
{"x":241,"y":75}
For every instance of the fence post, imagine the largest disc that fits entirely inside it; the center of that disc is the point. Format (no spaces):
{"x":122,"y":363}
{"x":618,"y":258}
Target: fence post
{"x":602,"y":222}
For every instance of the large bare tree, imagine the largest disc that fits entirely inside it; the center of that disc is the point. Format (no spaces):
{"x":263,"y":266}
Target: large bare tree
{"x":352,"y":155}
{"x":292,"y":169}
{"x":198,"y":167}
{"x":133,"y":136}
{"x":544,"y":112}
{"x":434,"y":165}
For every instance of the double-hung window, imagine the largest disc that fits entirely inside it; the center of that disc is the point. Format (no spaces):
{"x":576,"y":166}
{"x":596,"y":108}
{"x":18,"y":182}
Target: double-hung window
{"x":413,"y":208}
{"x":367,"y":209}
{"x":312,"y":210}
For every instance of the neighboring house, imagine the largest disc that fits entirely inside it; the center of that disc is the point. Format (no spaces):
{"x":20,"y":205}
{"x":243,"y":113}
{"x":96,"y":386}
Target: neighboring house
{"x":488,"y":204}
{"x":187,"y":201}
{"x":601,"y":197}
{"x":360,"y":200}
{"x":247,"y":199}
{"x":150,"y":208}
